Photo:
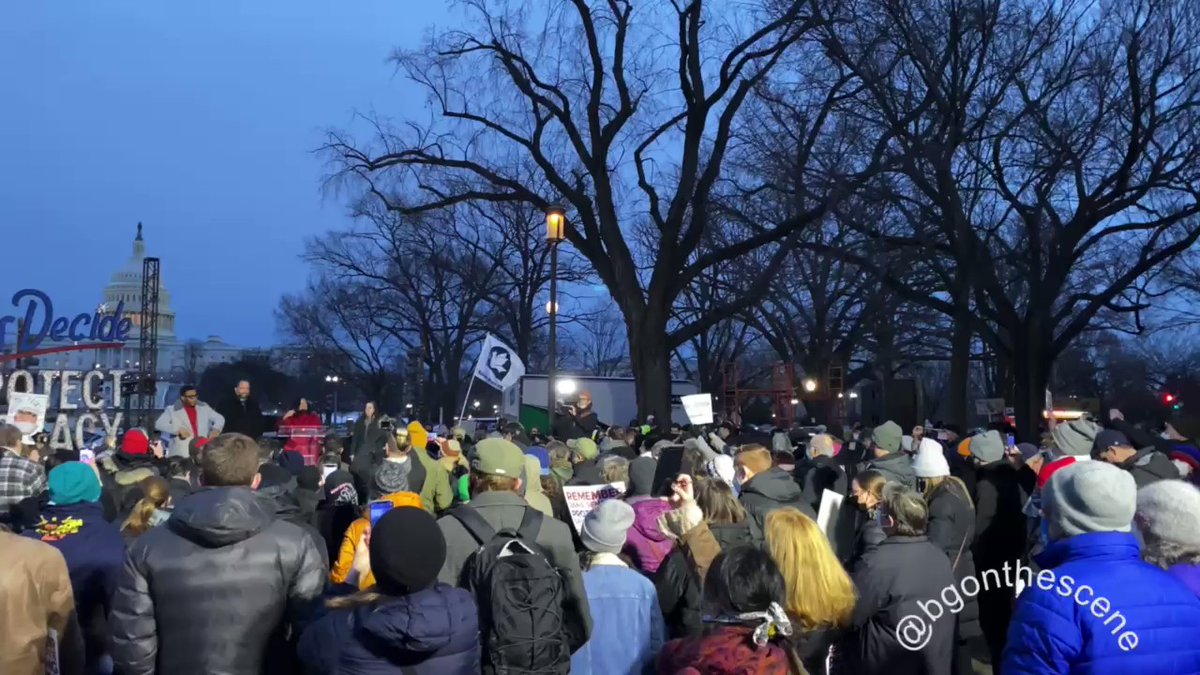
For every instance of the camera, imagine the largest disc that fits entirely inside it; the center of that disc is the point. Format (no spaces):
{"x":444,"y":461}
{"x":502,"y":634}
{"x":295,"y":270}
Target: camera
{"x":387,"y":424}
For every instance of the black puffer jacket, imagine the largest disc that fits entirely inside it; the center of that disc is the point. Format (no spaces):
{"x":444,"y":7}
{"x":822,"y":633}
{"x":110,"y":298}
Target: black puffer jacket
{"x":952,"y":529}
{"x":1150,"y":466}
{"x":770,"y":490}
{"x":824,"y":474}
{"x":678,"y":584}
{"x":288,"y":508}
{"x":226,"y":578}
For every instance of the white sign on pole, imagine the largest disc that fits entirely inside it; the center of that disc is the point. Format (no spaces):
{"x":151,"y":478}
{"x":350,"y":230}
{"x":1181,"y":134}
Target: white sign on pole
{"x":699,"y":408}
{"x":831,"y":503}
{"x":581,"y":499}
{"x":27,"y":412}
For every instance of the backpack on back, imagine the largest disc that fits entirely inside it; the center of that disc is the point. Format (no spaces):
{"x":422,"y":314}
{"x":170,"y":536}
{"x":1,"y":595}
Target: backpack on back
{"x":520,"y":597}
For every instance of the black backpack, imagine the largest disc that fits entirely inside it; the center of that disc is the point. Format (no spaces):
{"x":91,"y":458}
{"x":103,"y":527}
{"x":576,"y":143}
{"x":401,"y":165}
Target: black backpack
{"x":520,"y":597}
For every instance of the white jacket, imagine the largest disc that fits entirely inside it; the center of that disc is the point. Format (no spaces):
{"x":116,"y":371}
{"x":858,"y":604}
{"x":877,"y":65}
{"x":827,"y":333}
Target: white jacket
{"x":175,"y":418}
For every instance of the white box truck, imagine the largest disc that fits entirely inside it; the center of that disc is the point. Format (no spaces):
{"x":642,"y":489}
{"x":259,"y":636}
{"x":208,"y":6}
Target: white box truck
{"x":613,"y":398}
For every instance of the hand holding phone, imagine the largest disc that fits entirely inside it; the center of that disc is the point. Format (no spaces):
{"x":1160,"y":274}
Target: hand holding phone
{"x":87,"y":456}
{"x":377,"y":509}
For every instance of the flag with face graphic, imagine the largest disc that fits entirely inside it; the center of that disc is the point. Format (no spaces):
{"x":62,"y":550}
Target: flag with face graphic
{"x":498,"y":364}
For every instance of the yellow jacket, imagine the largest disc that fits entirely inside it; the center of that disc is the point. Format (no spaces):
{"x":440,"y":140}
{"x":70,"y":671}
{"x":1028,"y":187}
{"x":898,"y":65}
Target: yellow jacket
{"x":345,"y":560}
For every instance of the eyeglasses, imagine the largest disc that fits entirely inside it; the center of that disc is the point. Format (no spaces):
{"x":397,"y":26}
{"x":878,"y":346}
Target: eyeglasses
{"x":191,"y":395}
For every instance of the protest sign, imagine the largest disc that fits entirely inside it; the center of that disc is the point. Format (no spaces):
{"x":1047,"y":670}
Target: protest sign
{"x":27,"y":412}
{"x":698,"y":407}
{"x":831,"y":503}
{"x":581,"y":499}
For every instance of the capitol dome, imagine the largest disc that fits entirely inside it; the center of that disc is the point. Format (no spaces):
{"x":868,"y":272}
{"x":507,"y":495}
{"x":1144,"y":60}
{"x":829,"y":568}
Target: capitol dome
{"x":126,"y":286}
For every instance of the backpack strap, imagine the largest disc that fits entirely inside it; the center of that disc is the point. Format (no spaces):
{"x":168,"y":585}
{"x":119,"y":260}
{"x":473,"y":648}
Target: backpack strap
{"x":531,"y":524}
{"x":474,"y":523}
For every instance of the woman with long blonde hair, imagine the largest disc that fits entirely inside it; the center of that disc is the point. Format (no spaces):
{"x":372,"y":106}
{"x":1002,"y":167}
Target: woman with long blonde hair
{"x":820,"y":595}
{"x":151,"y":510}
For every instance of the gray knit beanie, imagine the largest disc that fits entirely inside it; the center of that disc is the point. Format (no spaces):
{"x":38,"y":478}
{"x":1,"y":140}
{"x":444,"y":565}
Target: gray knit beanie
{"x":1169,"y":511}
{"x":988,"y":447}
{"x":605,"y":528}
{"x":1076,"y":437}
{"x":887,"y":436}
{"x":1090,"y":497}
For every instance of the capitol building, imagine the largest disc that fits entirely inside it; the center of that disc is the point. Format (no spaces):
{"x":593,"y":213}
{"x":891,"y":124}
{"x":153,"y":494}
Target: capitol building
{"x":179,"y":361}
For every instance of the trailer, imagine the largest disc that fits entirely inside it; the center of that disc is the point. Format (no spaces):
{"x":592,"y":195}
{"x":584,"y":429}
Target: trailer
{"x":613,"y":398}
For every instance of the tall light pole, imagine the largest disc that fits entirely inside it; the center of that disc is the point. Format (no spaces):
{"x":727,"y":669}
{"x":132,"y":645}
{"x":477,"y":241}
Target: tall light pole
{"x":556,"y":225}
{"x":333,"y":379}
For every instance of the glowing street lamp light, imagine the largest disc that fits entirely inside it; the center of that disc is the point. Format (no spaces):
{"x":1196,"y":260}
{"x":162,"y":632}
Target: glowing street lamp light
{"x":810,"y":385}
{"x":556,"y":232}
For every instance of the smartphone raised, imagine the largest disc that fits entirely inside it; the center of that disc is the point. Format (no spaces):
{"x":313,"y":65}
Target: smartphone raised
{"x":1012,"y":441}
{"x":87,"y":456}
{"x":377,"y":511}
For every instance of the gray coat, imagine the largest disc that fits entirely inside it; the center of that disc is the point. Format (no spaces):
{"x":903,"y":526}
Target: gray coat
{"x":504,"y":510}
{"x":175,"y":418}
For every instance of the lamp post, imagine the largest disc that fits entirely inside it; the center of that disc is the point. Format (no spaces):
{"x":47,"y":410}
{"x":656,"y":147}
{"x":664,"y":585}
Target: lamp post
{"x":333,"y":379}
{"x":556,"y":225}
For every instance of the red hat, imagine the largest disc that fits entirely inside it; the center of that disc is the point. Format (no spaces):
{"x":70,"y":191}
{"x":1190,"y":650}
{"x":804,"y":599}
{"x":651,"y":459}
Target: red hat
{"x":135,"y":443}
{"x":1052,"y":468}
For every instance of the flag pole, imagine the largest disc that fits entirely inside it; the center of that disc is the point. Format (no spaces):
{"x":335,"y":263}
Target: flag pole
{"x":466,"y":398}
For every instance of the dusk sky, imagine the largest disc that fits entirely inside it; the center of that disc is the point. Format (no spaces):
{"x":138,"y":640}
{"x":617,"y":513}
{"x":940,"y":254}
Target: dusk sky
{"x":197,"y":119}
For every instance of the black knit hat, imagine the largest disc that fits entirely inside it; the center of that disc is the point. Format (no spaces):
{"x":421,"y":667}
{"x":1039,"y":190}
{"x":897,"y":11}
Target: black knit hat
{"x":407,"y":551}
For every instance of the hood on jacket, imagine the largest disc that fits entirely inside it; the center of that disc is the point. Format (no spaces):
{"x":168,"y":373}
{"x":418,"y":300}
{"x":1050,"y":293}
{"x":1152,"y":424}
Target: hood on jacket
{"x":730,"y":535}
{"x":532,"y":479}
{"x":220,"y":516}
{"x":417,"y":435}
{"x":1152,"y":462}
{"x":774,"y":484}
{"x":422,"y":623}
{"x":645,"y":518}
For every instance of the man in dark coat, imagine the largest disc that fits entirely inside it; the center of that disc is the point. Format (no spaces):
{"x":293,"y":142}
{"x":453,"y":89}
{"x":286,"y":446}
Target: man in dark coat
{"x":887,"y":458}
{"x":197,"y":617}
{"x":766,"y":488}
{"x":1147,"y":465}
{"x":824,"y":472}
{"x":241,"y":412}
{"x":894,"y":581}
{"x":581,"y":419}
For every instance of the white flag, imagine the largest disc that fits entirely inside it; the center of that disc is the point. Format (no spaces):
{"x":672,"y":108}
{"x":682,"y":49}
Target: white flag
{"x":498,"y":364}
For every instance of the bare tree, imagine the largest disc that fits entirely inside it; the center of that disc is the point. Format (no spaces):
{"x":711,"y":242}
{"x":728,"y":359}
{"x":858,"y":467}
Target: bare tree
{"x":626,"y":142}
{"x":600,"y":346}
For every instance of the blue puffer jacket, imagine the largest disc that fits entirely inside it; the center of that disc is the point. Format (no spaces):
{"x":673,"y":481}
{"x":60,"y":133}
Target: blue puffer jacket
{"x":1106,"y":612}
{"x":627,"y":624}
{"x":431,"y":632}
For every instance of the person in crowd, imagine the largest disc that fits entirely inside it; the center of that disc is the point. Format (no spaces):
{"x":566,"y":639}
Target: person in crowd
{"x":367,"y":446}
{"x":824,"y":472}
{"x":338,"y":509}
{"x":391,"y":485}
{"x":585,"y":456}
{"x":123,"y":470}
{"x":887,"y":458}
{"x":765,"y":487}
{"x":747,"y":629}
{"x":893,"y":581}
{"x":647,"y":545}
{"x":41,"y":632}
{"x":1168,"y":516}
{"x":560,"y":461}
{"x":724,"y":469}
{"x":678,"y":579}
{"x":1000,"y":531}
{"x":1147,"y":465}
{"x":951,"y":527}
{"x":457,"y":468}
{"x":1096,"y":606}
{"x":581,"y":421}
{"x":308,"y":493}
{"x":407,"y":468}
{"x":531,"y":487}
{"x":820,"y":595}
{"x":1165,"y":442}
{"x":622,"y":443}
{"x":73,"y":523}
{"x":20,"y":478}
{"x":193,"y":619}
{"x":301,"y":426}
{"x":241,"y":412}
{"x":627,"y":631}
{"x":496,"y":501}
{"x":151,"y":510}
{"x":405,"y":622}
{"x":1075,"y":439}
{"x":277,"y":491}
{"x":1029,"y":462}
{"x":615,"y":469}
{"x":189,"y":418}
{"x":183,"y":476}
{"x":866,"y":492}
{"x":514,"y":433}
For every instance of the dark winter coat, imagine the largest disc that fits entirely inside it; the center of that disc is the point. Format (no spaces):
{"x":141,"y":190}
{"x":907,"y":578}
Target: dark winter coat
{"x":770,"y":490}
{"x":1000,"y":526}
{"x":214,"y":590}
{"x":119,"y":475}
{"x":896,"y":467}
{"x":434,"y":632}
{"x":678,"y":585}
{"x":587,"y":472}
{"x":1150,"y":466}
{"x":95,"y":552}
{"x":824,"y":474}
{"x":867,"y":535}
{"x":892,"y":580}
{"x":282,"y":499}
{"x":368,"y":447}
{"x":242,"y":417}
{"x":952,"y":529}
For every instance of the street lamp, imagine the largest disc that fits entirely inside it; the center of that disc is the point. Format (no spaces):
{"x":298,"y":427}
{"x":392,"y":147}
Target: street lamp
{"x":810,"y":385}
{"x":475,"y":404}
{"x":795,"y":401}
{"x":333,"y":380}
{"x":556,"y":226}
{"x":854,"y":394}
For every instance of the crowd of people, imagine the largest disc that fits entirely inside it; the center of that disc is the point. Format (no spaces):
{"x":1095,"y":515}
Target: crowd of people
{"x":217,"y":548}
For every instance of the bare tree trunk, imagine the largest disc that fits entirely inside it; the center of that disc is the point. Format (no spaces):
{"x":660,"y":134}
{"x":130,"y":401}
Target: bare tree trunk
{"x":651,"y":360}
{"x":960,"y":366}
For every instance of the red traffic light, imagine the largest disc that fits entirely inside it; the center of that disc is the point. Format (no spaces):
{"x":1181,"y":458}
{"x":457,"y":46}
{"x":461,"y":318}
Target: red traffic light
{"x":1169,"y":398}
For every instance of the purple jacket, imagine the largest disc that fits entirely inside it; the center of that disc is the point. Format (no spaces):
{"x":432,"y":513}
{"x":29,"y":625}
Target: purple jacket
{"x":646,"y":543}
{"x":1189,"y":575}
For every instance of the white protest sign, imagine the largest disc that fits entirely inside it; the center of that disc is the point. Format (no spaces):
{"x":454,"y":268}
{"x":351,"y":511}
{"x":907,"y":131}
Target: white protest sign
{"x":698,"y":407}
{"x":831,"y":503}
{"x":27,"y":412}
{"x":581,"y":499}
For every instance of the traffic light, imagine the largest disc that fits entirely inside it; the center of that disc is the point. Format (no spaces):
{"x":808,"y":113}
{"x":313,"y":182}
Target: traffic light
{"x":1168,"y":398}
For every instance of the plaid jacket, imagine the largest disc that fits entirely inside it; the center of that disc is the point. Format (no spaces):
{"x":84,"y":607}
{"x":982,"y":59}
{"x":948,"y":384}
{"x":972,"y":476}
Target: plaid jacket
{"x":19,"y":478}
